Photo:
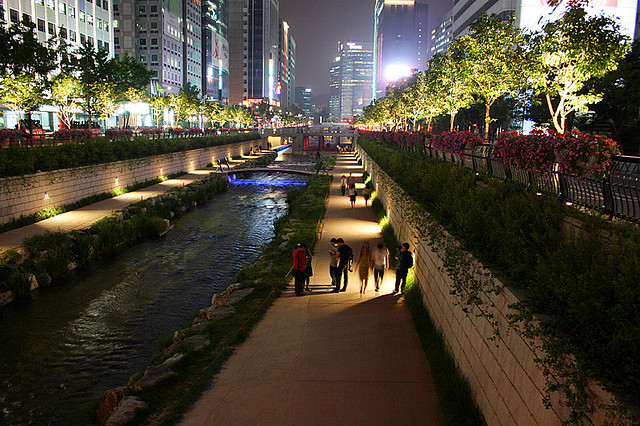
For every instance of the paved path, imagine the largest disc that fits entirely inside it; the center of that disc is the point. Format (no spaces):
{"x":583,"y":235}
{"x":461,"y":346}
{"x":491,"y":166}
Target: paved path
{"x":328,"y":358}
{"x":85,"y":216}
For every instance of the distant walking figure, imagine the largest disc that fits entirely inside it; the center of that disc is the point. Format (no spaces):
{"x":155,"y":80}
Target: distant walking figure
{"x":405,"y":262}
{"x":343,"y":184}
{"x":366,"y":193}
{"x":351,"y":181}
{"x":299,"y":267}
{"x":352,"y":195}
{"x":380,"y":261}
{"x":333,"y":264}
{"x":345,"y":256}
{"x":363,"y":264}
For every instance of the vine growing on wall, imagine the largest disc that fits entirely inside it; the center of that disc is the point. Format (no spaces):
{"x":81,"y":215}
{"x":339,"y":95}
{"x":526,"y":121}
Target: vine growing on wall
{"x":473,"y":286}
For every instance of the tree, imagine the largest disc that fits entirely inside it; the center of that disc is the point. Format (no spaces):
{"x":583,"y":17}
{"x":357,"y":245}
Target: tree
{"x":24,"y":54}
{"x":213,"y":112}
{"x":105,"y":101}
{"x":620,"y":90}
{"x":158,"y":104}
{"x":490,"y":60}
{"x":447,"y":86}
{"x":569,"y":52}
{"x":65,"y":91}
{"x":20,"y":93}
{"x":183,"y":104}
{"x":127,"y":74}
{"x":91,"y":68}
{"x":133,"y":96}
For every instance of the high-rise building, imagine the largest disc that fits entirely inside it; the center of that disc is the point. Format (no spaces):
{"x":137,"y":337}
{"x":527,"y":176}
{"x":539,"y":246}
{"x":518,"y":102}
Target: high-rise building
{"x":192,"y":36}
{"x":254,"y":51}
{"x":441,"y":35}
{"x":286,"y":67}
{"x":401,"y":41}
{"x":153,"y":34}
{"x":215,"y":51}
{"x":350,"y":79}
{"x":82,"y":22}
{"x":532,"y":14}
{"x":335,"y":84}
{"x":303,"y":100}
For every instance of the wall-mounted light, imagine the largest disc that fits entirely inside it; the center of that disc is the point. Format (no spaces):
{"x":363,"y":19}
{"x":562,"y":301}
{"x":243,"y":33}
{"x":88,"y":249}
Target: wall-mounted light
{"x":161,"y":169}
{"x":117,"y":181}
{"x":46,"y":195}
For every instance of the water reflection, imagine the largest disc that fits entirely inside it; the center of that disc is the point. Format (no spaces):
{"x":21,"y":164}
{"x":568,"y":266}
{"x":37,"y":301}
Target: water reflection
{"x":72,"y":342}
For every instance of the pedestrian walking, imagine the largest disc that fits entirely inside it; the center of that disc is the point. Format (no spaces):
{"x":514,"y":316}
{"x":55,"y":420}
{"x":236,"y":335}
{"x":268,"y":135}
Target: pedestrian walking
{"x":353,"y":194}
{"x":333,"y":264}
{"x":380,"y":262}
{"x":308,"y":270}
{"x":362,"y":266}
{"x":299,"y":267}
{"x":405,"y":262}
{"x":366,"y":193}
{"x":351,"y":180}
{"x":343,"y":184}
{"x":345,"y":257}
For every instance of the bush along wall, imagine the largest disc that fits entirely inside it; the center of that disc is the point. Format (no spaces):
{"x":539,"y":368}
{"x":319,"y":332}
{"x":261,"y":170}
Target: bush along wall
{"x":581,"y":282}
{"x":16,"y":161}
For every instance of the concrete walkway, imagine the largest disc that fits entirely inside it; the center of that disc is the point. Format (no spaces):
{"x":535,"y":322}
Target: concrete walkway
{"x":328,"y":358}
{"x":85,"y":216}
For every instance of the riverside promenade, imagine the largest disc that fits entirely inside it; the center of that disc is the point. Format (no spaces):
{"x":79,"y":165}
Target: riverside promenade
{"x":85,"y":216}
{"x":328,"y":358}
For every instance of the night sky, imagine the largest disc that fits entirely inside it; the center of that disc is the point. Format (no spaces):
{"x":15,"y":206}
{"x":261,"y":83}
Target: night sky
{"x":318,"y":25}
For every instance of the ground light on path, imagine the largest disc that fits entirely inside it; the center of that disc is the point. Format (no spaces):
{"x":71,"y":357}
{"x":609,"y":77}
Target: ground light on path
{"x":328,"y":358}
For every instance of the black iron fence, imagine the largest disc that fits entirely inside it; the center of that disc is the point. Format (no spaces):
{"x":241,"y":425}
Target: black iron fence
{"x":616,"y":194}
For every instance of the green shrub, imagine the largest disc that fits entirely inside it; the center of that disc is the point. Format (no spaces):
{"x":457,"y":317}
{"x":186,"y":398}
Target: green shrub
{"x":20,"y":285}
{"x":154,"y":226}
{"x":43,"y":242}
{"x":56,"y":261}
{"x":82,"y":249}
{"x":587,"y":282}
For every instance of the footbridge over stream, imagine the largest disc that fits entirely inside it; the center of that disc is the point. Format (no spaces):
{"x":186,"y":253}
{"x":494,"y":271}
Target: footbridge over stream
{"x":312,"y":138}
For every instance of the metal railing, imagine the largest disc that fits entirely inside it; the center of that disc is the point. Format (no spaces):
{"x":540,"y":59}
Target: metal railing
{"x":616,"y":194}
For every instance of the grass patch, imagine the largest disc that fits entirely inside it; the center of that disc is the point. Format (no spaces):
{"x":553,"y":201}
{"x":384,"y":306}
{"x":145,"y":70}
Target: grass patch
{"x":455,"y":398}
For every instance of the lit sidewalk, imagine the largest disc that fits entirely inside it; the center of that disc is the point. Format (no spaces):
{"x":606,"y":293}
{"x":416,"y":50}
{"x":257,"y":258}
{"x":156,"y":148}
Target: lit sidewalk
{"x":328,"y":358}
{"x":85,"y":216}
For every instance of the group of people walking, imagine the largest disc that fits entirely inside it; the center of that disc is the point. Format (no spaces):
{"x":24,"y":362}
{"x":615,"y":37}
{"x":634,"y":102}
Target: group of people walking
{"x":348,"y":187}
{"x":341,"y":263}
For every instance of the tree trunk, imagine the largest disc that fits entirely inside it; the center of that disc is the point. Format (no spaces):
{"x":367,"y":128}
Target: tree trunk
{"x":453,"y":117}
{"x":487,"y":120}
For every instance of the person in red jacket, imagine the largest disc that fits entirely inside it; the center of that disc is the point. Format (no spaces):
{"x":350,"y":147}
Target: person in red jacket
{"x":299,"y":267}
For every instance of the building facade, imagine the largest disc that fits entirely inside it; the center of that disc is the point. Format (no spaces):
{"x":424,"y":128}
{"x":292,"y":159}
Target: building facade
{"x":215,"y":61}
{"x":441,"y":35}
{"x":350,"y":79}
{"x":532,"y":14}
{"x":286,"y":67}
{"x":401,"y":41}
{"x":254,"y":67}
{"x":77,"y":22}
{"x":303,"y":100}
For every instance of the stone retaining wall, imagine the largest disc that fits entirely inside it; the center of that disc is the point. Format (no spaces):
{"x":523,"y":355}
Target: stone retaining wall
{"x":24,"y":195}
{"x":506,"y":381}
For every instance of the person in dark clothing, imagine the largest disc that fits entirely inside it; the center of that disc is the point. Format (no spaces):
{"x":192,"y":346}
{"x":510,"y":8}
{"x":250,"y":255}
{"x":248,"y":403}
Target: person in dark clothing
{"x":345,"y":256}
{"x":405,"y":262}
{"x":299,"y":268}
{"x":333,"y":264}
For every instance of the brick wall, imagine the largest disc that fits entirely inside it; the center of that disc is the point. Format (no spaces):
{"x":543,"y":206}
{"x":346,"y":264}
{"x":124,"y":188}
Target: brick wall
{"x":506,"y":381}
{"x":24,"y":195}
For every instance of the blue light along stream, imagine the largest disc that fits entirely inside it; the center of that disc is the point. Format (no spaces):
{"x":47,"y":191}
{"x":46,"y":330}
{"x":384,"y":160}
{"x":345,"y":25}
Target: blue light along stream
{"x":62,"y":350}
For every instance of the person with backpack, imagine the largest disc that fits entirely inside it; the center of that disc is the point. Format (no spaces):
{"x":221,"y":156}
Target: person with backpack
{"x":345,"y":257}
{"x":405,"y":262}
{"x":299,"y":268}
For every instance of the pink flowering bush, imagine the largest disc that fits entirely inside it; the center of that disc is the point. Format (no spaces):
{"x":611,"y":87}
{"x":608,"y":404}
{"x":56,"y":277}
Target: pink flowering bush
{"x":71,"y":135}
{"x":9,"y":137}
{"x":176,"y":131}
{"x":533,"y":153}
{"x":119,"y":134}
{"x":578,"y":154}
{"x":456,"y":142}
{"x":585,"y":154}
{"x":195,"y":131}
{"x":147,"y":131}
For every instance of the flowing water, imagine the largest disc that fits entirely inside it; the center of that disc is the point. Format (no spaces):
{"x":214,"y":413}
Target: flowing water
{"x":63,"y":349}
